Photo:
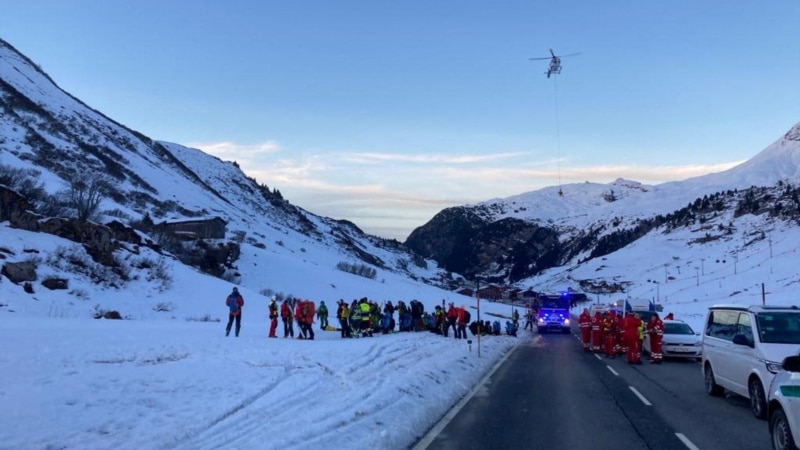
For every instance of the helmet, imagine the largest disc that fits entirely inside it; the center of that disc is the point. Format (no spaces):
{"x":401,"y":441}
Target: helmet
{"x":235,"y":289}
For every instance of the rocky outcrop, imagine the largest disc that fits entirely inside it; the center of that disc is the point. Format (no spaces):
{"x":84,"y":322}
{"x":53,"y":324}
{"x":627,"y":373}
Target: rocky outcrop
{"x":98,"y":240}
{"x":19,"y":272}
{"x":16,"y":209}
{"x":505,"y":250}
{"x":56,"y":283}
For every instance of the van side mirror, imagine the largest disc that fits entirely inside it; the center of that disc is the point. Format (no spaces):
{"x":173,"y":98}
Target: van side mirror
{"x":791,"y":364}
{"x":741,"y":339}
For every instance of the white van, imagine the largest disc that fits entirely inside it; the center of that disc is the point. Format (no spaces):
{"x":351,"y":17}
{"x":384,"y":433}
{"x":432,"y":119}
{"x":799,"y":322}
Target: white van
{"x":744,"y":347}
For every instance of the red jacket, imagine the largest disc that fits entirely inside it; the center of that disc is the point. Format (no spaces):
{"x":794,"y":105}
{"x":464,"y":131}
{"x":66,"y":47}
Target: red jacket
{"x":462,"y":316}
{"x":632,"y":325}
{"x":235,"y":303}
{"x":452,"y":312}
{"x":286,"y":311}
{"x":655,"y":327}
{"x":585,"y":320}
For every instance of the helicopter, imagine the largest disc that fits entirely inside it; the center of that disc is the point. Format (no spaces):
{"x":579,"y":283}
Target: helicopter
{"x":555,"y":62}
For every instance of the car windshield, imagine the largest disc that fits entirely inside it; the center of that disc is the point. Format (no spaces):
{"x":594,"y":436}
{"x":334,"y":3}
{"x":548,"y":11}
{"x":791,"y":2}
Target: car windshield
{"x":554,"y":302}
{"x":778,"y":327}
{"x":677,"y":328}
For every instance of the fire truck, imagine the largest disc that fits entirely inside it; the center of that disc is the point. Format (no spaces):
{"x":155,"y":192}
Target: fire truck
{"x":553,"y":314}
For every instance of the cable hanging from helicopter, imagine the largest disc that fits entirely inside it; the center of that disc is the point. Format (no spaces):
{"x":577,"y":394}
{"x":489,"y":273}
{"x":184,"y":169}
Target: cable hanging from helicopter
{"x":554,"y":69}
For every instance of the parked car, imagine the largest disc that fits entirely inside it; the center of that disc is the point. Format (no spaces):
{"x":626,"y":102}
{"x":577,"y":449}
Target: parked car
{"x":679,"y":341}
{"x":784,"y":406}
{"x":743,"y":349}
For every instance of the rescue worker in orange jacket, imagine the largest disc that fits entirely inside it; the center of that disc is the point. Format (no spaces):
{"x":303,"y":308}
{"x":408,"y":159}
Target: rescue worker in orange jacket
{"x":655,"y":329}
{"x":585,"y":325}
{"x":609,"y":333}
{"x":597,"y":332}
{"x":632,"y":326}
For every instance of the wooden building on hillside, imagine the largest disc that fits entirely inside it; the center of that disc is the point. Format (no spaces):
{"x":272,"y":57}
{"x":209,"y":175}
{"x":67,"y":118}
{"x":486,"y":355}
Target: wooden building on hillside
{"x":212,"y":228}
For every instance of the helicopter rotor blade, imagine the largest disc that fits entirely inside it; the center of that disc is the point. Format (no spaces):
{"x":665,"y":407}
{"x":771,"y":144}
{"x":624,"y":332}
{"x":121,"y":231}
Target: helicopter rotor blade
{"x":571,"y":54}
{"x":551,"y":52}
{"x":534,"y":59}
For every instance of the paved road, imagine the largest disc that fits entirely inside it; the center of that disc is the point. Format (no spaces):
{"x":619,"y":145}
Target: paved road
{"x":588,"y":402}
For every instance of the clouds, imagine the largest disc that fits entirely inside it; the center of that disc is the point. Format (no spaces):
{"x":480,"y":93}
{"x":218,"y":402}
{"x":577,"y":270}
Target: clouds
{"x":238,"y":152}
{"x":391,"y":193}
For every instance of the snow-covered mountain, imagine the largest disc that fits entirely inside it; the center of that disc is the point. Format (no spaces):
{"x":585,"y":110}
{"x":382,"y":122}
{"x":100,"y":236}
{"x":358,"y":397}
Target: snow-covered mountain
{"x":513,"y":240}
{"x":51,"y":143}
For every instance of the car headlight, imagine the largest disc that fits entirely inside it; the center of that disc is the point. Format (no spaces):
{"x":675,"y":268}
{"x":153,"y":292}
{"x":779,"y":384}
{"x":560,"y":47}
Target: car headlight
{"x":566,"y":321}
{"x":773,"y":367}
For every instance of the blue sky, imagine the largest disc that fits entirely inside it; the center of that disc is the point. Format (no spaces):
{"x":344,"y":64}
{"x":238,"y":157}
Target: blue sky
{"x":384,"y":113}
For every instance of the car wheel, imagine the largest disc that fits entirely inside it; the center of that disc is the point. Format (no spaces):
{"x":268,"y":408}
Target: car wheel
{"x":712,"y":388}
{"x":758,"y":401}
{"x":780,"y":432}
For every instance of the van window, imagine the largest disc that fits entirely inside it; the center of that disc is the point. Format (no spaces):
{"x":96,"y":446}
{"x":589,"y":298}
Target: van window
{"x":745,"y":326}
{"x":779,"y":327}
{"x":722,"y":324}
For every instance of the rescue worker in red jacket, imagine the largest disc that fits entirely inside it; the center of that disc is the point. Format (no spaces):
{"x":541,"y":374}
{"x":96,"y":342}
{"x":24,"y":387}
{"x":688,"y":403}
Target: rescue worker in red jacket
{"x":597,"y":332}
{"x":622,"y":343}
{"x":304,"y":313}
{"x":452,"y":318}
{"x":632,"y":326}
{"x":585,"y":325}
{"x":655,"y":329}
{"x":273,"y":317}
{"x":609,"y":333}
{"x":287,"y":318}
{"x":234,"y":302}
{"x":461,"y":323}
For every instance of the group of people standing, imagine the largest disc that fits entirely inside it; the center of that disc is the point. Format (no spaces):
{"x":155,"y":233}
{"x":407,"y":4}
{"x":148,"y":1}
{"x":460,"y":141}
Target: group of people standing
{"x":613,"y":334}
{"x":290,"y":310}
{"x":294,"y":309}
{"x":364,"y":317}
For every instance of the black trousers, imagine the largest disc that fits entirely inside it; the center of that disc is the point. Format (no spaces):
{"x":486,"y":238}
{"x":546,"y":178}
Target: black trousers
{"x":288,"y":328}
{"x":231,"y":317}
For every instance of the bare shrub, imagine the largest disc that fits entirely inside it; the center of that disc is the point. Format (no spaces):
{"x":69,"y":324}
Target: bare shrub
{"x":205,"y":318}
{"x":163,"y":307}
{"x":84,"y":196}
{"x":362,"y":270}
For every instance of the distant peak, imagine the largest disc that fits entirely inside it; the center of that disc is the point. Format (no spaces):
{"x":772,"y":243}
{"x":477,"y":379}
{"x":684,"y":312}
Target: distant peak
{"x":793,"y":134}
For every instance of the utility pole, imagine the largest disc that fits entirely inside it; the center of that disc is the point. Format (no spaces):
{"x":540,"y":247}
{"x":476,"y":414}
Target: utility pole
{"x":703,"y":266}
{"x":697,"y":275}
{"x":480,"y":324}
{"x":769,"y":239}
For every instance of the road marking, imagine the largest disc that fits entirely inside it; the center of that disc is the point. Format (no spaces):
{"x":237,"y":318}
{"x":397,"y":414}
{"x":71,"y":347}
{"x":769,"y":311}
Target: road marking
{"x":641,"y":397}
{"x":429,"y":437}
{"x":598,"y":356}
{"x":612,"y":370}
{"x":687,"y":442}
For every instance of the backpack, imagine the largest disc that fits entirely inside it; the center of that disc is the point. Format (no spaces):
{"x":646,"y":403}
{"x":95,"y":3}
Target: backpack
{"x":233,"y":303}
{"x":467,"y":316}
